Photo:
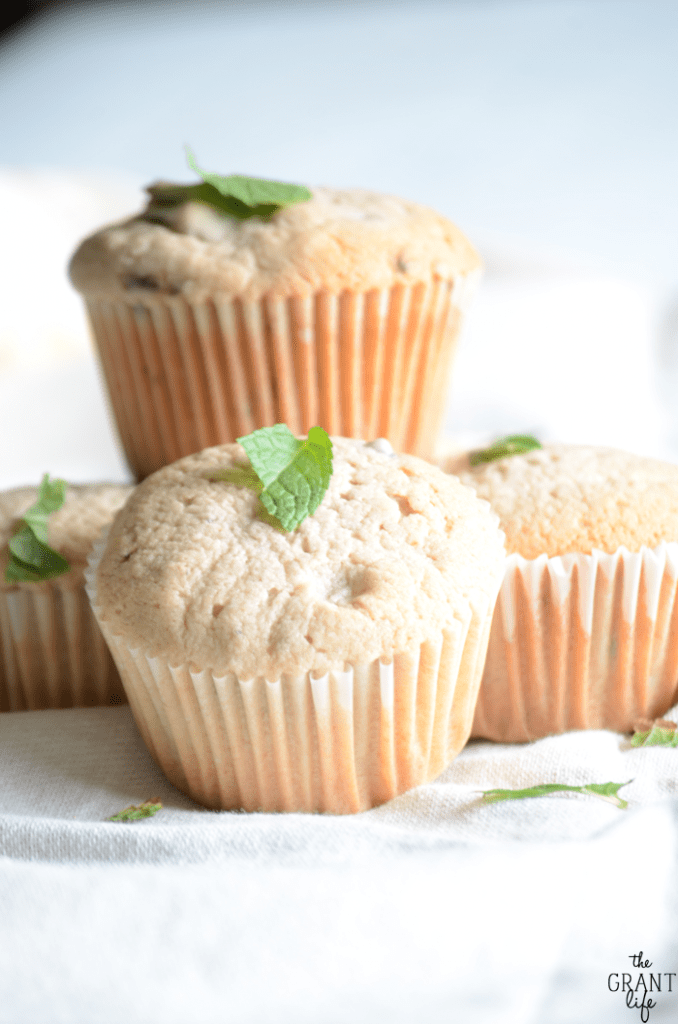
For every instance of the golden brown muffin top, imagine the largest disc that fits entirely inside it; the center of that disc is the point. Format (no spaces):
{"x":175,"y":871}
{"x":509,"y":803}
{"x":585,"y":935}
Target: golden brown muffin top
{"x":574,"y":498}
{"x":340,"y":239}
{"x":394,"y":553}
{"x":71,"y":530}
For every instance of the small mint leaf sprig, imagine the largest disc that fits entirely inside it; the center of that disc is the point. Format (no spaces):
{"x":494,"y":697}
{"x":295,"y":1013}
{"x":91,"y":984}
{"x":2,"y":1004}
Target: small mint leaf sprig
{"x":137,"y":811}
{"x":514,"y":444}
{"x":236,"y":195}
{"x":31,"y":559}
{"x":659,"y":733}
{"x":605,"y":790}
{"x":290,"y":476}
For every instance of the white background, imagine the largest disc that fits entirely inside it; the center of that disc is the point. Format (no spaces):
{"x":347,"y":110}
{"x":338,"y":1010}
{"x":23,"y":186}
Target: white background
{"x":547,"y":130}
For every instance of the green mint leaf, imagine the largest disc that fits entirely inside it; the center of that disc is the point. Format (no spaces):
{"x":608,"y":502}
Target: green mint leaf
{"x":241,"y":476}
{"x":514,"y":444}
{"x":169,"y":194}
{"x":290,"y":476}
{"x":605,"y":790}
{"x":661,"y":733}
{"x":608,"y":791}
{"x":243,"y":197}
{"x":136,"y":811}
{"x":51,"y":497}
{"x":30,"y":557}
{"x":31,"y":560}
{"x":295,"y":473}
{"x":270,"y":450}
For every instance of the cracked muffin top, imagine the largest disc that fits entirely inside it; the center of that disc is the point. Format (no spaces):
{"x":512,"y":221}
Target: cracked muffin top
{"x":395,"y":552}
{"x":339,"y":239}
{"x":563,"y":498}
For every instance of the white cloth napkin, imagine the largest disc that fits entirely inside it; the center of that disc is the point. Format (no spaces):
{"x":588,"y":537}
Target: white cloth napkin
{"x":434,"y":907}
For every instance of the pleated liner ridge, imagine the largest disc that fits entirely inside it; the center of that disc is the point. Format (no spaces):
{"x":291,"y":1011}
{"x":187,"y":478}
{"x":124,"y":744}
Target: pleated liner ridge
{"x":581,"y":642}
{"x":52,"y":653}
{"x":340,"y":743}
{"x":182,"y":376}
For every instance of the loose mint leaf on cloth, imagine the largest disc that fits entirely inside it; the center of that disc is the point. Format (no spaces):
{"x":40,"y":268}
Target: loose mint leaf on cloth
{"x":234,"y":194}
{"x":660,"y":733}
{"x":514,"y":444}
{"x":30,"y":557}
{"x":290,"y":476}
{"x":136,"y":811}
{"x":605,"y":790}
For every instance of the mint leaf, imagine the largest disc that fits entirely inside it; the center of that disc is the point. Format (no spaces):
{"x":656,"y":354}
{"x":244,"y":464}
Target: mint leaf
{"x":235,"y":194}
{"x":606,"y":790}
{"x":30,"y":557}
{"x":31,"y":560}
{"x":241,"y":476}
{"x":290,"y":476}
{"x":514,"y":444}
{"x":167,"y":195}
{"x":251,"y":197}
{"x":136,"y":811}
{"x":295,"y":473}
{"x":51,"y":497}
{"x":660,"y":733}
{"x":270,"y":450}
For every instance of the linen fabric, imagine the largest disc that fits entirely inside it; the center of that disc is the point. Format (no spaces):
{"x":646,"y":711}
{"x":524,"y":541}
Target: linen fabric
{"x":434,"y":906}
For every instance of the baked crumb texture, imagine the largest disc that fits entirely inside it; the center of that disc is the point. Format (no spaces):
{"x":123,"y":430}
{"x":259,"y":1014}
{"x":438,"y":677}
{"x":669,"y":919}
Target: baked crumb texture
{"x":568,"y":498}
{"x":343,"y":311}
{"x":585,"y":630}
{"x":327,"y":669}
{"x":52,"y":653}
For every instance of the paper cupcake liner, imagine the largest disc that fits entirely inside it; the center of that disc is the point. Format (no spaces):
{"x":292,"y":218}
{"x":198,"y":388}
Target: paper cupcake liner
{"x":52,"y":653}
{"x":340,"y":743}
{"x":184,"y":376}
{"x":581,"y":642}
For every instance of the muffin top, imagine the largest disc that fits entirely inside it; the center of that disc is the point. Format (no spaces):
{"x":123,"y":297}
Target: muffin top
{"x":339,"y":239}
{"x":71,"y":530}
{"x":394,"y":552}
{"x":569,"y":498}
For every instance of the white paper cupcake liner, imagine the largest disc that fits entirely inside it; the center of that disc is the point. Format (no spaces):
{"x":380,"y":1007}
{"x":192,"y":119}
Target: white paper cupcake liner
{"x":581,"y":642}
{"x":52,"y":653}
{"x":339,"y":743}
{"x":183,"y":376}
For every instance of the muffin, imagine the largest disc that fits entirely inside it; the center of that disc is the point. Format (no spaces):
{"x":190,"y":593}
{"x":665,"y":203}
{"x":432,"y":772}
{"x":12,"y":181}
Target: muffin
{"x":585,"y":631}
{"x":341,"y":310}
{"x":325,"y":669}
{"x":52,"y":653}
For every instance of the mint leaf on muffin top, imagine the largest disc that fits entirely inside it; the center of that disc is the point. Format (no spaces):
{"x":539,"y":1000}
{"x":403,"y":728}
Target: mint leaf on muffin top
{"x":605,"y":790}
{"x":241,"y":476}
{"x":30,"y":557}
{"x":235,"y":194}
{"x":290,"y":476}
{"x":514,"y":444}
